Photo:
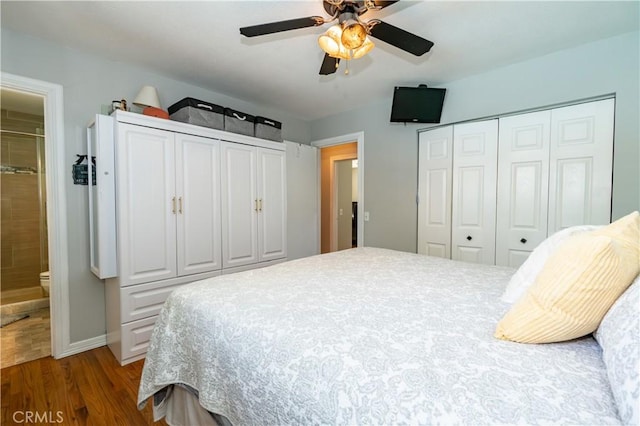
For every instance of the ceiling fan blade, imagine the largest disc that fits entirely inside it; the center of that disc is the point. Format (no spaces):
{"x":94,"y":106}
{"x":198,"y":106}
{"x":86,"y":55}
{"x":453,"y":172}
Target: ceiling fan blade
{"x":379,"y":4}
{"x":329,"y":65}
{"x":276,"y":27}
{"x":399,"y":38}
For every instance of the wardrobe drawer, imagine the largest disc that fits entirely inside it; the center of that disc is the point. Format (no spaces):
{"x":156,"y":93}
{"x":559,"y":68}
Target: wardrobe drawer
{"x":135,"y":338}
{"x":145,"y":300}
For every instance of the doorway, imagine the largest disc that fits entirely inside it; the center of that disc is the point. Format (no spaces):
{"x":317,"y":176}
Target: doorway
{"x":52,"y":223}
{"x":24,"y":264}
{"x":339,"y":231}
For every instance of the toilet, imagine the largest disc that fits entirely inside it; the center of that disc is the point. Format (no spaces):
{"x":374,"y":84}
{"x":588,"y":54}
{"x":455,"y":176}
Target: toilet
{"x":44,"y":282}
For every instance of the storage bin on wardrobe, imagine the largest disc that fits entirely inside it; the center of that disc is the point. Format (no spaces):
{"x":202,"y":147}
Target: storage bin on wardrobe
{"x":200,"y":113}
{"x":238,"y":122}
{"x":267,"y":128}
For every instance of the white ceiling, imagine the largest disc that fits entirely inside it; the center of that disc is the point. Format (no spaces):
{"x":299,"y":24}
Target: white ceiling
{"x":199,"y":42}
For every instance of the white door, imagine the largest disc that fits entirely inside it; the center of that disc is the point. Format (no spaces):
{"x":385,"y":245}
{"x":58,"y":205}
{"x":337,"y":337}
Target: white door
{"x":239,"y":205}
{"x":146,"y":204}
{"x":435,"y":159}
{"x":198,"y":204}
{"x":272,"y":204}
{"x":581,"y":164}
{"x":303,"y":210}
{"x":523,"y":180}
{"x":474,"y":188}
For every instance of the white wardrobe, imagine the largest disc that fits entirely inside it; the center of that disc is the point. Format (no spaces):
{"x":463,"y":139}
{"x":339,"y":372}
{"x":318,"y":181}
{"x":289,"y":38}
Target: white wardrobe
{"x":186,"y":203}
{"x":490,"y":191}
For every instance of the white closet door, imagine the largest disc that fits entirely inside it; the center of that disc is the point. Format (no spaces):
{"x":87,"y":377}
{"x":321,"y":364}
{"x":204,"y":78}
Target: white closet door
{"x":272,"y":205}
{"x":146,"y":190}
{"x":523,"y":180}
{"x":198,"y":204}
{"x":435,"y":161}
{"x":239,"y":205}
{"x":475,"y":157}
{"x":581,"y":164}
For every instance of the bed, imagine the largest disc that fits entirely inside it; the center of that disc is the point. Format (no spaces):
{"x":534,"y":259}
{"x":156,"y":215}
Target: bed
{"x":369,"y":336}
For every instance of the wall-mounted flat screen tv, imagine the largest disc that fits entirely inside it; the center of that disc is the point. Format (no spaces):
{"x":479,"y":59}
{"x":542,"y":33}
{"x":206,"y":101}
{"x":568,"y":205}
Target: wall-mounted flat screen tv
{"x":420,"y":104}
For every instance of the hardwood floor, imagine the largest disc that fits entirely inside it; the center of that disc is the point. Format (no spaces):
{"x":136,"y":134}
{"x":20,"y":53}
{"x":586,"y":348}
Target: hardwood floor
{"x":90,"y":388}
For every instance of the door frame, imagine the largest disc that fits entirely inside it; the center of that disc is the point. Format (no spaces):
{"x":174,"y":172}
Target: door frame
{"x":56,"y":204}
{"x":341,"y":140}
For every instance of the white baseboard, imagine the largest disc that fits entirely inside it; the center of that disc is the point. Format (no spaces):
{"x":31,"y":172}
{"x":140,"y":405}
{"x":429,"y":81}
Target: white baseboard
{"x":84,"y":345}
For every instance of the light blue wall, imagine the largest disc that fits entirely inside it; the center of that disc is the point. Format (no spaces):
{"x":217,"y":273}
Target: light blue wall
{"x":390,"y":150}
{"x":390,"y":154}
{"x":88,"y":82}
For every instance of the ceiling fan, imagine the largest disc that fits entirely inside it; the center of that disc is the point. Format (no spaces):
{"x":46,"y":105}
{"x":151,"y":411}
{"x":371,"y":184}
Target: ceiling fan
{"x":349,"y":38}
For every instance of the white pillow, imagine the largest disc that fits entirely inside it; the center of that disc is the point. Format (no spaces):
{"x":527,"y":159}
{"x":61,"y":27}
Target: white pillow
{"x":619,"y":337}
{"x":529,"y":270}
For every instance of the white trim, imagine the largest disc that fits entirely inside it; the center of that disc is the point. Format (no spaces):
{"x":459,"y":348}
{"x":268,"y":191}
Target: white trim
{"x":339,"y":140}
{"x":84,"y":345}
{"x":56,"y":204}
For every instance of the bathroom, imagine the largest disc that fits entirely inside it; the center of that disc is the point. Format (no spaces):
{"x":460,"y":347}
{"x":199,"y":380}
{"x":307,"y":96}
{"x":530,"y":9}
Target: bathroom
{"x":24,"y":282}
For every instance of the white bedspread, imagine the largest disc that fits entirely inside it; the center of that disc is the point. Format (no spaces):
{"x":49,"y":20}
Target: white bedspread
{"x":368,"y":336}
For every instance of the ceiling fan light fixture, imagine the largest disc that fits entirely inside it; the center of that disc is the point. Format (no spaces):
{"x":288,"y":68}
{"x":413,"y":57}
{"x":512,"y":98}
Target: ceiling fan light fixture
{"x":353,"y":34}
{"x":330,"y":43}
{"x":364,"y":49}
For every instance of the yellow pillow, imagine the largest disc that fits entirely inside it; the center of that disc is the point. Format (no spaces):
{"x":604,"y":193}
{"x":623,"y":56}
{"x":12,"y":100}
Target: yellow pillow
{"x":577,"y":285}
{"x":625,"y":231}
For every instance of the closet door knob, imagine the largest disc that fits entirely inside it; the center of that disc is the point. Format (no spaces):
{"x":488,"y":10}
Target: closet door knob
{"x":469,"y":238}
{"x":523,"y":240}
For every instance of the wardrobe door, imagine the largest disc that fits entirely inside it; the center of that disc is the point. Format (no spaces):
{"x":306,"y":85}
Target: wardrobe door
{"x":272,"y":204}
{"x":198,"y":204}
{"x":473,"y":234}
{"x":581,"y":164}
{"x":239,"y":205}
{"x":523,"y":180}
{"x":146,"y":204}
{"x":435,"y":164}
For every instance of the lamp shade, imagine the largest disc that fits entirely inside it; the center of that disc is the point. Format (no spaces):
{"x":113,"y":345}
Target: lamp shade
{"x":364,"y":49}
{"x":330,"y":41}
{"x":353,"y":34}
{"x":147,"y":97}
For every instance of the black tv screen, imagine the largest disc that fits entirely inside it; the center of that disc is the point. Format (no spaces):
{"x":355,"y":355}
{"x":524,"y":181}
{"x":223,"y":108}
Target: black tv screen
{"x":417,"y":104}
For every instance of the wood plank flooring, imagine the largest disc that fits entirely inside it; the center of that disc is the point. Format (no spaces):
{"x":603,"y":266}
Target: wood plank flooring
{"x":90,"y":388}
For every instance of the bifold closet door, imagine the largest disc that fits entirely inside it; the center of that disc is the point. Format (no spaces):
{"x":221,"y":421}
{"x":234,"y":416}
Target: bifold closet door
{"x":523,"y":181}
{"x":581,"y":164}
{"x":435,"y":164}
{"x":473,"y":233}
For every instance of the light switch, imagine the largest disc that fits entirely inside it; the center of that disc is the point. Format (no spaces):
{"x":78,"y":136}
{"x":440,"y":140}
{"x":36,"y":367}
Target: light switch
{"x":366,"y":216}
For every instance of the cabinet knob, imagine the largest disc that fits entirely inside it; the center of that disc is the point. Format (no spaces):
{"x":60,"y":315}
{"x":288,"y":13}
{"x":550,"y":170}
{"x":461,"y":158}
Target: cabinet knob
{"x":469,"y":238}
{"x":523,"y":240}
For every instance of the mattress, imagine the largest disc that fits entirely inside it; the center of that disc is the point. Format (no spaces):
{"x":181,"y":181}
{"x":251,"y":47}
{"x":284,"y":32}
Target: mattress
{"x":368,"y":336}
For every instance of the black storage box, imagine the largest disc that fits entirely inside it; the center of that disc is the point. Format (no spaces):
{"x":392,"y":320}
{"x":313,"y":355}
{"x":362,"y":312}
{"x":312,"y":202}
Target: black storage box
{"x":200,"y":113}
{"x":238,"y":122}
{"x":267,"y":128}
